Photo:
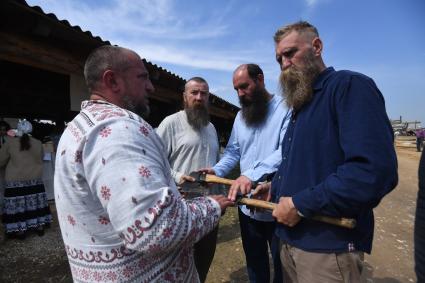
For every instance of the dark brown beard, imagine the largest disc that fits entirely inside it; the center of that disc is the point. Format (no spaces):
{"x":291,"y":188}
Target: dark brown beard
{"x":297,"y":84}
{"x":254,"y":111}
{"x":197,"y":115}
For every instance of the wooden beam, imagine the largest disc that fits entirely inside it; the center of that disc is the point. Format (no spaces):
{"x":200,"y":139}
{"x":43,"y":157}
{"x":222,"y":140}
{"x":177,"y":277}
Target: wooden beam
{"x":24,"y":50}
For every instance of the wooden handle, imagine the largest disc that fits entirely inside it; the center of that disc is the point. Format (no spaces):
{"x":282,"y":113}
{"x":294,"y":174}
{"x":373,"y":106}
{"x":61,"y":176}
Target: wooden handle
{"x":349,"y":223}
{"x":341,"y":222}
{"x":214,"y":179}
{"x":257,"y":203}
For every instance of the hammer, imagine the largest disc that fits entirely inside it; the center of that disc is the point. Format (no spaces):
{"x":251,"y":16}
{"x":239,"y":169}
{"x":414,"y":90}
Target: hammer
{"x":203,"y":178}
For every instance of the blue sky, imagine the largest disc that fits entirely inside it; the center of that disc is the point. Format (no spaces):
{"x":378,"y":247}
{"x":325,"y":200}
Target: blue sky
{"x":384,"y":39}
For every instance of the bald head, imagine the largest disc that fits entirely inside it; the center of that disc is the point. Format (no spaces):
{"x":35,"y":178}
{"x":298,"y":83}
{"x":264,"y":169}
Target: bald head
{"x":105,"y":58}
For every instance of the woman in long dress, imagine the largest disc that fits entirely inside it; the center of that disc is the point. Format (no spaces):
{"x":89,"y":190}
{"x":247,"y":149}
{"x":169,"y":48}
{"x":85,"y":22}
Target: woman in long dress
{"x":25,"y":202}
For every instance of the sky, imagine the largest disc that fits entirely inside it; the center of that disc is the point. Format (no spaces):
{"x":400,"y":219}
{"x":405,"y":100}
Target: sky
{"x":384,"y":39}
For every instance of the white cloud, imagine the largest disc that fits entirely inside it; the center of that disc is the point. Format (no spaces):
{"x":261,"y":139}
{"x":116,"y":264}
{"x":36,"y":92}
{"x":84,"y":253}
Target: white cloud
{"x":129,"y":18}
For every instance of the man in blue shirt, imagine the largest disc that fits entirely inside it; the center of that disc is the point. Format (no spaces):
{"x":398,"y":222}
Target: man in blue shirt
{"x":255,"y":143}
{"x":338,"y":159}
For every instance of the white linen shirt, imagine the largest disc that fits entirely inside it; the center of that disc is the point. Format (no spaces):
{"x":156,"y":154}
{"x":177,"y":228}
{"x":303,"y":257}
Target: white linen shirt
{"x":187,"y":149}
{"x":121,"y":216}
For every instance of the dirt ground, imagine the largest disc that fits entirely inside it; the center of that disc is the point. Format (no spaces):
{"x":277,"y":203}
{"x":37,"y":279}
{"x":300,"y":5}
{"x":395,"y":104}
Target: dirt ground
{"x":43,"y":259}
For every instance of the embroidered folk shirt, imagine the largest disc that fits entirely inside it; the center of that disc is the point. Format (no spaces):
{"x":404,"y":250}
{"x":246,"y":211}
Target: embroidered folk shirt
{"x":121,"y":216}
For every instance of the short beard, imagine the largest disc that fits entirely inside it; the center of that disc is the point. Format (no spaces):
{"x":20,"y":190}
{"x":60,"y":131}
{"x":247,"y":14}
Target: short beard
{"x":143,"y":110}
{"x":254,"y":111}
{"x":197,"y":116}
{"x":297,"y":84}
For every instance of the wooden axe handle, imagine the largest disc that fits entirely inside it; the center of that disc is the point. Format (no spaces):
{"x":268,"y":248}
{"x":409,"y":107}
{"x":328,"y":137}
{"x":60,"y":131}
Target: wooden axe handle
{"x":342,"y":222}
{"x":214,"y":179}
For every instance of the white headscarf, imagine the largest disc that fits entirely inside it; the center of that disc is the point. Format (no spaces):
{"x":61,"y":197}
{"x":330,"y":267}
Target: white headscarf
{"x":24,"y":127}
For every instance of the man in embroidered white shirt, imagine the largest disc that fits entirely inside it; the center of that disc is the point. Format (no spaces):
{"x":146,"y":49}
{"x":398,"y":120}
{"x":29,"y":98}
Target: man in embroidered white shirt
{"x":121,"y":216}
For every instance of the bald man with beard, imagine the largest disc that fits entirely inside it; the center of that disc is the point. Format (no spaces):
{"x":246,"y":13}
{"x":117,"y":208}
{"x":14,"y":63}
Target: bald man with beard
{"x":255,"y":144}
{"x":338,"y":159}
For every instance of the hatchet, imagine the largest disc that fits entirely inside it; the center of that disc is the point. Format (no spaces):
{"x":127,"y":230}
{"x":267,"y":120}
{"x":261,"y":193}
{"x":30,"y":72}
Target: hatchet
{"x":202,"y":178}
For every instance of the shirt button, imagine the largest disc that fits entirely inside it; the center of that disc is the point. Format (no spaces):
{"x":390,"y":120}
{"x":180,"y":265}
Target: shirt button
{"x":284,"y":158}
{"x":289,"y":139}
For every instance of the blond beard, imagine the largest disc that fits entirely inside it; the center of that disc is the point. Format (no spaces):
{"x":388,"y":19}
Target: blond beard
{"x":297,"y":84}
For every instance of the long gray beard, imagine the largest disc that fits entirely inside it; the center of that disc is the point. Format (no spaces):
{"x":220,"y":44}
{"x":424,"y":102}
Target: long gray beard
{"x":197,"y":116}
{"x":297,"y":84}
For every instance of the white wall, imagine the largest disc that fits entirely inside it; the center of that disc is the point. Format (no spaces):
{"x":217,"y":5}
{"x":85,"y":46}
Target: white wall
{"x":78,"y":91}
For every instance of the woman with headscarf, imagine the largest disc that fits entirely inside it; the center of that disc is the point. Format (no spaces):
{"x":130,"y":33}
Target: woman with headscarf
{"x":25,"y":202}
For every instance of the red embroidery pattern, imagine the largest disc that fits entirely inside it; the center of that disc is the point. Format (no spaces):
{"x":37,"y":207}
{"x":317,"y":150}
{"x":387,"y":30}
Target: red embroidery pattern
{"x":136,"y":230}
{"x":127,"y":272}
{"x":71,"y":220}
{"x":106,"y":192}
{"x":79,"y":156}
{"x":104,"y":220}
{"x":75,"y":132}
{"x":144,"y":171}
{"x":102,"y":111}
{"x":105,"y":132}
{"x":144,"y":130}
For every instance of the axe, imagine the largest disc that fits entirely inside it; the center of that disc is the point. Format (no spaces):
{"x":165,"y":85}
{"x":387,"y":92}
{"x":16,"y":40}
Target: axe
{"x":202,"y":178}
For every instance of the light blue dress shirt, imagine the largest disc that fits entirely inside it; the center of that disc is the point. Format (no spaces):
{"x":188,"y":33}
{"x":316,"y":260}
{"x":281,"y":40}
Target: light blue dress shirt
{"x":258,"y":149}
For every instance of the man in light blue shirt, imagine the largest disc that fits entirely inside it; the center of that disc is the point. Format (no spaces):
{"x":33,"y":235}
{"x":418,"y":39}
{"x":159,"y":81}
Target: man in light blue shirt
{"x":255,"y":143}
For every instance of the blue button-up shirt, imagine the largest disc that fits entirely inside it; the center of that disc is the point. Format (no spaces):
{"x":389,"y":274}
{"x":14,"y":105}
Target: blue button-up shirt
{"x":257,"y":149}
{"x":338,"y":159}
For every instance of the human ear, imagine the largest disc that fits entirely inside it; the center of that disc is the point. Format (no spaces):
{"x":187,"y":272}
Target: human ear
{"x":317,"y":46}
{"x":110,"y":80}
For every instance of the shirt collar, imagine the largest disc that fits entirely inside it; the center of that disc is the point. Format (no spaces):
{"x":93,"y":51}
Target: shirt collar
{"x":323,"y":76}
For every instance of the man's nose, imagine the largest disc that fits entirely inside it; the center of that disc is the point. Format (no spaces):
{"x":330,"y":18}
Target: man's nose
{"x":241,"y":93}
{"x":285,"y":63}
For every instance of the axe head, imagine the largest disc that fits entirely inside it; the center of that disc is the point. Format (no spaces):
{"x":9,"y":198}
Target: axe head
{"x":199,"y":177}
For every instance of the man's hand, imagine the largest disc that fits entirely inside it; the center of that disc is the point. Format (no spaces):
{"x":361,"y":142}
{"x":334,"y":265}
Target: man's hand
{"x":186,"y":178}
{"x":286,"y":213}
{"x":223,"y":201}
{"x":262,"y":191}
{"x":207,"y":170}
{"x":242,"y":184}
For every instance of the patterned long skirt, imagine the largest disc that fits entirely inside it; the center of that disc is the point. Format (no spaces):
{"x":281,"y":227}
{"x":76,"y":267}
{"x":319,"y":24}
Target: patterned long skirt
{"x":25,"y":206}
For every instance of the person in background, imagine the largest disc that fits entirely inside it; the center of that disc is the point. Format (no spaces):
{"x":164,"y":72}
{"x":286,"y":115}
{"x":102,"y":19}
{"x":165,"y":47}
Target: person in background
{"x":255,"y":143}
{"x":25,"y":202}
{"x":331,"y":165}
{"x":191,"y":142}
{"x":419,"y":234}
{"x":420,"y":137}
{"x":120,"y":213}
{"x":4,"y":127}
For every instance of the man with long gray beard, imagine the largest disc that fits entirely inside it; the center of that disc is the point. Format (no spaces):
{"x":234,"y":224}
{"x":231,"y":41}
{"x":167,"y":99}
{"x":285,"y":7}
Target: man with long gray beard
{"x":191,"y":143}
{"x":339,"y":160}
{"x":255,"y":143}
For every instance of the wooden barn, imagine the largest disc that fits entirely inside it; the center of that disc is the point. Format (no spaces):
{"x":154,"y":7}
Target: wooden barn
{"x":41,"y":70}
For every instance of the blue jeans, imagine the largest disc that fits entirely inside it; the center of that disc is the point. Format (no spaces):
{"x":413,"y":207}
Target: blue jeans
{"x":257,"y":238}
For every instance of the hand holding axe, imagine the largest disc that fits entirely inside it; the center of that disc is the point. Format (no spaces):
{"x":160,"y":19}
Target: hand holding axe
{"x":203,"y":179}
